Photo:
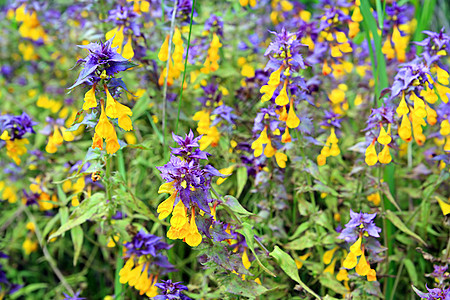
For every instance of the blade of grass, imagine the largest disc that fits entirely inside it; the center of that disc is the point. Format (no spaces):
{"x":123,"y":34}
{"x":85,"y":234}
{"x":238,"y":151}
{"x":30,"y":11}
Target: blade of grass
{"x":381,"y":82}
{"x":425,"y":16}
{"x":180,"y":95}
{"x":119,"y":262}
{"x":164,"y":121}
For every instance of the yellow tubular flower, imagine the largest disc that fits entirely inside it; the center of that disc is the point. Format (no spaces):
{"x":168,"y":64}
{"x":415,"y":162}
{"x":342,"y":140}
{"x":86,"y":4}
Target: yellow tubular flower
{"x":292,"y":120}
{"x":384,"y":138}
{"x":282,"y":99}
{"x":362,"y":268}
{"x":281,"y":159}
{"x":356,"y":247}
{"x":350,"y":261}
{"x":163,"y":54}
{"x":111,"y":107}
{"x":371,"y":155}
{"x":89,"y":99}
{"x":104,"y":128}
{"x":328,"y":255}
{"x":128,"y":52}
{"x":179,"y":217}
{"x":372,"y":275}
{"x":385,"y":156}
{"x":165,"y":208}
{"x":193,"y":238}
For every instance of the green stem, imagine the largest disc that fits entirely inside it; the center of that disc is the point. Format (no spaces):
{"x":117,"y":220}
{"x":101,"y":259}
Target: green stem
{"x":108,"y":178}
{"x":164,"y":120}
{"x":185,"y":67}
{"x":119,"y":261}
{"x":47,"y":255}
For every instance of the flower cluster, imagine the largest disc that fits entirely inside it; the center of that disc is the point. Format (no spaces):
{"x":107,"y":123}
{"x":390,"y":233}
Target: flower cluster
{"x":376,"y":132}
{"x":6,"y":287}
{"x":442,"y":291}
{"x":171,"y":290}
{"x":145,"y":263}
{"x":13,"y":129}
{"x":123,"y":17}
{"x":176,"y":65}
{"x":101,"y":65}
{"x":188,"y":184}
{"x":362,"y":232}
{"x":215,"y":25}
{"x":284,"y":61}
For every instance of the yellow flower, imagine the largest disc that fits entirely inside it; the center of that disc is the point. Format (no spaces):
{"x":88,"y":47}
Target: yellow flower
{"x":112,"y":144}
{"x":350,"y":261}
{"x":363,"y":267}
{"x":371,"y":155}
{"x":282,"y":98}
{"x":193,"y":238}
{"x":89,"y":99}
{"x":356,"y":247}
{"x":281,"y":159}
{"x":384,"y":138}
{"x":292,"y":120}
{"x":29,"y":246}
{"x":328,"y":255}
{"x":104,"y":128}
{"x":179,"y":217}
{"x":385,"y":156}
{"x":165,"y":208}
{"x":111,"y":106}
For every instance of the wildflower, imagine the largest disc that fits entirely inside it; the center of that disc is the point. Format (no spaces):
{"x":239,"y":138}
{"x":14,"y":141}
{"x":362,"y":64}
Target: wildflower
{"x":31,"y":27}
{"x":8,"y":288}
{"x":144,"y":263}
{"x":171,"y":290}
{"x":361,"y":226}
{"x":438,"y":293}
{"x":13,"y":129}
{"x":176,"y":65}
{"x":102,"y":57}
{"x":76,"y":296}
{"x":188,"y":185}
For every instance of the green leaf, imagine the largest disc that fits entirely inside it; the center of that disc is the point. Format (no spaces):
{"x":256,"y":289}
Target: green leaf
{"x":77,"y":239}
{"x":300,"y":229}
{"x":28,"y":290}
{"x":235,"y":206}
{"x":247,"y":232}
{"x":93,"y":206}
{"x":400,"y":225}
{"x":247,"y":288}
{"x":64,"y":215}
{"x":141,"y":107}
{"x":329,"y":281}
{"x":287,"y":264}
{"x":241,"y":180}
{"x":411,"y":268}
{"x":306,"y":241}
{"x":387,"y":193}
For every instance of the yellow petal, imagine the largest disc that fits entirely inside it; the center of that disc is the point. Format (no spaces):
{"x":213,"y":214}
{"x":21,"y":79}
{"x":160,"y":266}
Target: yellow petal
{"x":444,"y":206}
{"x":362,"y":268}
{"x":128,"y":52}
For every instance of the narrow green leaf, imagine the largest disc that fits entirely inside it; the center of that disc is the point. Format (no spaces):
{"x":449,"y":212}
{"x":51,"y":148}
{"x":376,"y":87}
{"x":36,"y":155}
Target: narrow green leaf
{"x":287,"y":264}
{"x":86,"y":210}
{"x":241,"y":180}
{"x":387,"y":193}
{"x":411,"y":268}
{"x":329,"y":281}
{"x":247,"y":232}
{"x":400,"y":225}
{"x":235,"y":206}
{"x":77,"y":239}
